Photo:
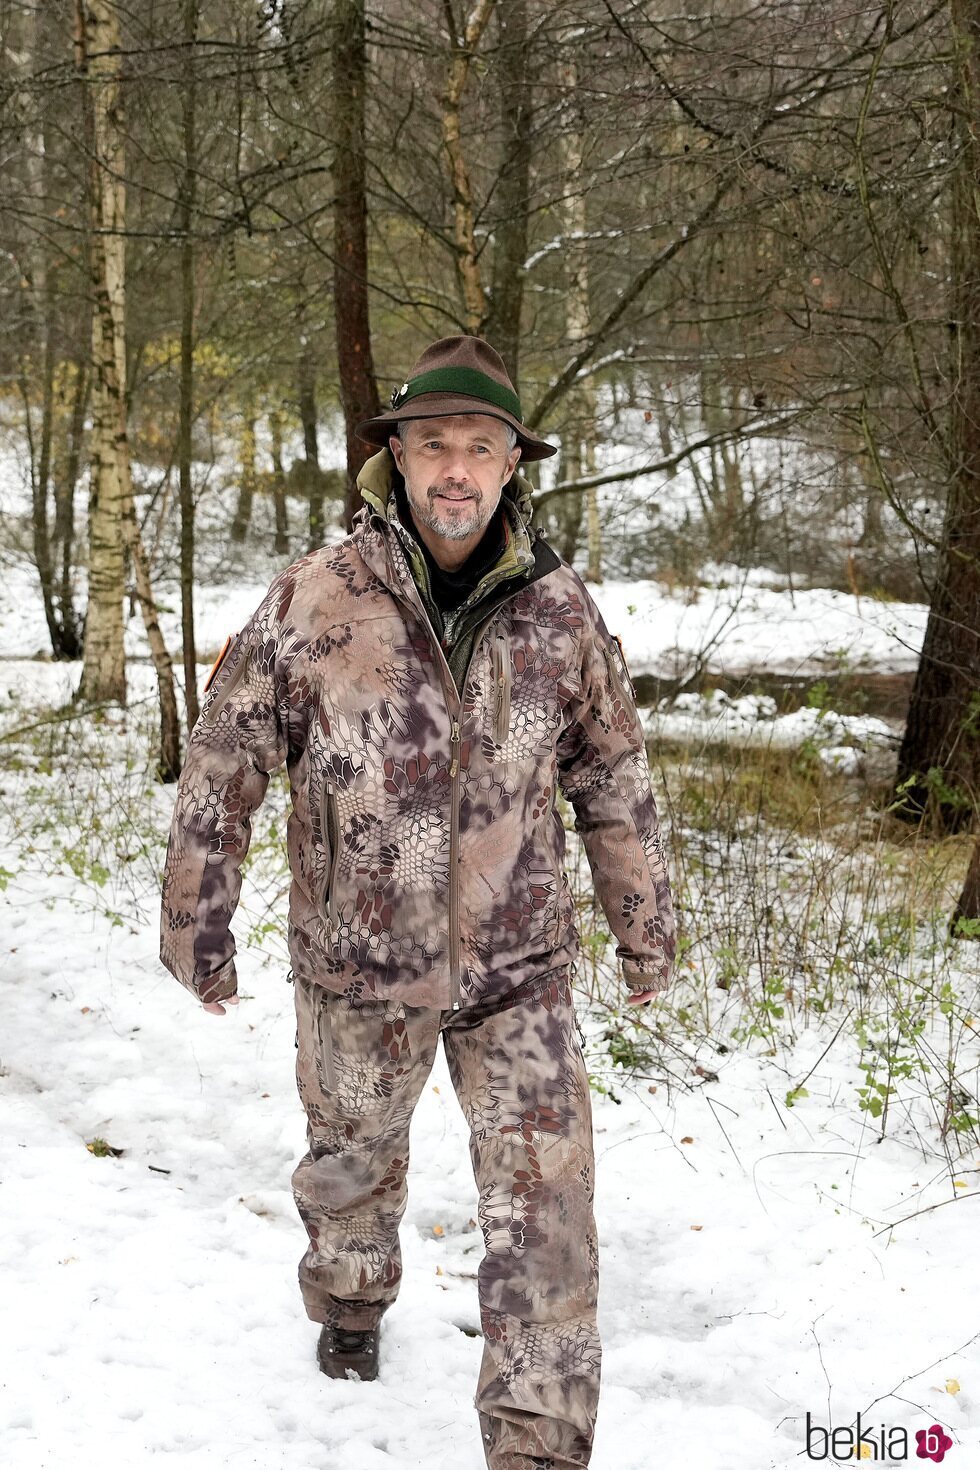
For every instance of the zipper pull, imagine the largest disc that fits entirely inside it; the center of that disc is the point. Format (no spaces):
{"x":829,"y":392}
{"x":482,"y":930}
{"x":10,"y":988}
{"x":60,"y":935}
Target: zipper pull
{"x":454,"y":740}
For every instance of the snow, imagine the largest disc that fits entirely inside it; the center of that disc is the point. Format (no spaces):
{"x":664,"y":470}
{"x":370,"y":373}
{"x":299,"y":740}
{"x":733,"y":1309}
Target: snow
{"x":751,"y":721}
{"x":737,"y":620}
{"x":156,"y":1313}
{"x":741,"y":624}
{"x":758,"y":1261}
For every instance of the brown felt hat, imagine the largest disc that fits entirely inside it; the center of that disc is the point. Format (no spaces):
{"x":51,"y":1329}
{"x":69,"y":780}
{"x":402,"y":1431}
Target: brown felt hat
{"x":457,"y":375}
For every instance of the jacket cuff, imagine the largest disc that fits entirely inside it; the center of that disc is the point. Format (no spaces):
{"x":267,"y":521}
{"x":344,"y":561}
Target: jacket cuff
{"x":222,"y":985}
{"x":645,"y":975}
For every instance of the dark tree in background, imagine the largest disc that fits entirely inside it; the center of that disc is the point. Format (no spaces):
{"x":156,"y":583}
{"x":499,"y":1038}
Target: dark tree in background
{"x":939,"y":761}
{"x":185,"y":431}
{"x":503,"y":323}
{"x":355,"y":364}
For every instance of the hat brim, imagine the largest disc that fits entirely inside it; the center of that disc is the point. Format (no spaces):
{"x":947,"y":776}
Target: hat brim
{"x":442,"y":405}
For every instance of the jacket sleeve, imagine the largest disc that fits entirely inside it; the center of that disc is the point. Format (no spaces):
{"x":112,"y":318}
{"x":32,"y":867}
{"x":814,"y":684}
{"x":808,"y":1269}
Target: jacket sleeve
{"x":604,"y":773}
{"x":238,"y":740}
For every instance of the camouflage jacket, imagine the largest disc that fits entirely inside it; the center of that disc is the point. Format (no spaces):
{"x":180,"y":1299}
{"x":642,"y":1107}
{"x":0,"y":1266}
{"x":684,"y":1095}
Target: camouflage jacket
{"x":424,"y":842}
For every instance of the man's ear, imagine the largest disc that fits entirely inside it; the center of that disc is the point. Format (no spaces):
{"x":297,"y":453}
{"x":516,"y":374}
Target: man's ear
{"x":397,"y":450}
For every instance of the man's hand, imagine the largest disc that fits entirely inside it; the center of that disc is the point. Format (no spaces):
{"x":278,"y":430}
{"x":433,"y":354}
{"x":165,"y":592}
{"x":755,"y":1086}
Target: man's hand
{"x":217,"y":1007}
{"x":640,"y":997}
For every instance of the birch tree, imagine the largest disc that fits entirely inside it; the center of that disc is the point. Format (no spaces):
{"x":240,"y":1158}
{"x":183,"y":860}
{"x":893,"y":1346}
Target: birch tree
{"x":97,"y":66}
{"x":112,"y":518}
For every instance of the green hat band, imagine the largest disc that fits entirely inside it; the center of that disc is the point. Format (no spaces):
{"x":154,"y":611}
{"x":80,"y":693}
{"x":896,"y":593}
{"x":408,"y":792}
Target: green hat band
{"x":468,"y":381}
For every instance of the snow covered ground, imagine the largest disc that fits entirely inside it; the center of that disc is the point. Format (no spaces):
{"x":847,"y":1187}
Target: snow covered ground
{"x":743,"y":622}
{"x":738,"y":621}
{"x":751,"y":721}
{"x":150,"y":1302}
{"x":759,"y":1262}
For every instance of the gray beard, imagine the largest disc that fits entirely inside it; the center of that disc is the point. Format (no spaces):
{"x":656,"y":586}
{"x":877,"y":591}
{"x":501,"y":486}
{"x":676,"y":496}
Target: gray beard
{"x":451,"y":528}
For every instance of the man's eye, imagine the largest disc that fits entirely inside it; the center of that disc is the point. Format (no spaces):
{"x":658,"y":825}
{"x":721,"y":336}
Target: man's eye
{"x":431,"y":444}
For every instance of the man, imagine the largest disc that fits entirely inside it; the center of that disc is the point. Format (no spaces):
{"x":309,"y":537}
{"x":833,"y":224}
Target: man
{"x":432,"y":682}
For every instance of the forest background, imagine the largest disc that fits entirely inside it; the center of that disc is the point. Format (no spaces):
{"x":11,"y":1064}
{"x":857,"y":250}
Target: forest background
{"x":731,"y":257}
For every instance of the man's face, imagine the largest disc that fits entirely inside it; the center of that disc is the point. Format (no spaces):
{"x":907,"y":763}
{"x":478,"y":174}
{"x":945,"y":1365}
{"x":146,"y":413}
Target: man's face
{"x":454,"y":469}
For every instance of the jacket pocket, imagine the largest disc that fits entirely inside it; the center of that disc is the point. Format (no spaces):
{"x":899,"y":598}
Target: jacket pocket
{"x":618,"y":671}
{"x":329,"y":838}
{"x":224,"y":691}
{"x":564,"y":904}
{"x":501,"y":682}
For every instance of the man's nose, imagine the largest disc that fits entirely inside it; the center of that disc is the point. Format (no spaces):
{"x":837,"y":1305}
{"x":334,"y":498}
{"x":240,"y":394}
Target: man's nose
{"x":455,"y":467}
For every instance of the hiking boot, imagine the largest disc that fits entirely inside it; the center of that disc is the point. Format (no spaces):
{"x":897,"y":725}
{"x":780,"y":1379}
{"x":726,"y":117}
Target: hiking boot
{"x":342,"y":1353}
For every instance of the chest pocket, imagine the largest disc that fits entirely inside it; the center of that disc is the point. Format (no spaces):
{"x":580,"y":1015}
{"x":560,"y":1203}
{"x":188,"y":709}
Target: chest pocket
{"x":525,"y":676}
{"x":500,"y":688}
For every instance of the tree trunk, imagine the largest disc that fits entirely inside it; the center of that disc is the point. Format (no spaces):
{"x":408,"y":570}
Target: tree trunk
{"x":503,"y":327}
{"x":581,"y":399}
{"x":278,"y":483}
{"x":968,"y":906}
{"x":186,"y":422}
{"x":41,"y":470}
{"x":306,"y":394}
{"x":65,"y":481}
{"x":168,"y":763}
{"x":593,"y":570}
{"x":939,"y":761}
{"x":246,"y":485}
{"x":463,"y":49}
{"x":358,"y":389}
{"x":97,"y":37}
{"x":40,"y":354}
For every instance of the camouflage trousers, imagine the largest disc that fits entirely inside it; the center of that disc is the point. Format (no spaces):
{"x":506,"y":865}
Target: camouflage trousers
{"x":517,"y":1067}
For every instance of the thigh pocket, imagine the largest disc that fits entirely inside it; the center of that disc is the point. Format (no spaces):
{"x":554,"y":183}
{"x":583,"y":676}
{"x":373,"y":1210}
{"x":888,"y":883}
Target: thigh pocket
{"x":363,"y":1051}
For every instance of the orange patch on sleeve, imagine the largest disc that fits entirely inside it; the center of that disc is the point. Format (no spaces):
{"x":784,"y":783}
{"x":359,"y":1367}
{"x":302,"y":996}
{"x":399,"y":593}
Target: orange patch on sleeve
{"x":219,"y":661}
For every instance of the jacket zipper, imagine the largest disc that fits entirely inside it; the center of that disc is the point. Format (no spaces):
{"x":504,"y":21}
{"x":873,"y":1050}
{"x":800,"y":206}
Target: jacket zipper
{"x":328,"y":833}
{"x":326,"y":1046}
{"x":501,"y":677}
{"x":454,"y":783}
{"x":454,"y":778}
{"x":448,"y":684}
{"x":454,"y":983}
